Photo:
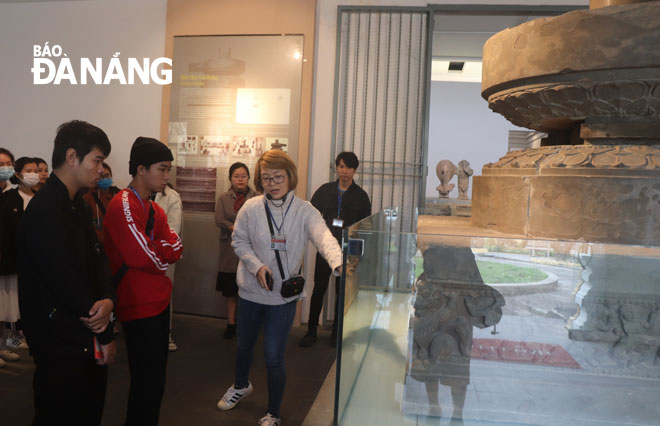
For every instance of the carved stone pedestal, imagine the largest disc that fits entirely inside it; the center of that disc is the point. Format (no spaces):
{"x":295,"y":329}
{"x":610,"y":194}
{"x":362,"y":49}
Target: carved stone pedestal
{"x":580,"y":192}
{"x":619,"y":303}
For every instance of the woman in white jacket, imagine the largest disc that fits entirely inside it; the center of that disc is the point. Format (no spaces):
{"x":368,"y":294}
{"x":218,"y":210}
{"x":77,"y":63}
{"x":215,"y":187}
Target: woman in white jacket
{"x":294,"y":222}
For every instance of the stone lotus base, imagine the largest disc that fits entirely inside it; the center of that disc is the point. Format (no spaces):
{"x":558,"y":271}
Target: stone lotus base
{"x":589,"y":64}
{"x":586,"y":192}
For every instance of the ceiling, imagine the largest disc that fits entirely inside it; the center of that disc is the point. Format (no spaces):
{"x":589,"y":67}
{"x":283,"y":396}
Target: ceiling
{"x":463,"y":36}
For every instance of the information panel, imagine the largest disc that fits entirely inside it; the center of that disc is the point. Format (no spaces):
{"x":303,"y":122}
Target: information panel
{"x":233,"y":97}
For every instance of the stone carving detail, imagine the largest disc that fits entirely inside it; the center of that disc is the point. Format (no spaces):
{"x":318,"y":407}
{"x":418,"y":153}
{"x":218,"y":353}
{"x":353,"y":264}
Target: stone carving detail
{"x":617,"y":43}
{"x":551,"y":106}
{"x":451,"y":298}
{"x":631,"y":157}
{"x":445,"y":171}
{"x":464,"y":173}
{"x":631,"y":327}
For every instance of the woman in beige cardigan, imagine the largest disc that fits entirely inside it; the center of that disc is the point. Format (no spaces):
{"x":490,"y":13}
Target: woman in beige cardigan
{"x":226,"y":209}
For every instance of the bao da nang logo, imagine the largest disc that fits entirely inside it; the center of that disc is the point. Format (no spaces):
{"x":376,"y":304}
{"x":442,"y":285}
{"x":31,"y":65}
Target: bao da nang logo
{"x":52,"y":66}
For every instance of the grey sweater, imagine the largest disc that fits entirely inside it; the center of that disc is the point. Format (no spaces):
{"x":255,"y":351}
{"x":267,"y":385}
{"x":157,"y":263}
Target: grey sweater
{"x":251,"y":242}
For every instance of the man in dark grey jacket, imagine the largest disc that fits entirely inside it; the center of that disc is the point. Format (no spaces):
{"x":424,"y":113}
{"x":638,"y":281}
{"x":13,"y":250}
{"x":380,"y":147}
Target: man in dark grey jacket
{"x":341,"y":203}
{"x":66,"y":295}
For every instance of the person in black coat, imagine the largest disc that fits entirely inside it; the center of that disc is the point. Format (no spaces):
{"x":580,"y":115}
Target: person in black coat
{"x":341,"y":203}
{"x":66,"y":295}
{"x":13,"y":204}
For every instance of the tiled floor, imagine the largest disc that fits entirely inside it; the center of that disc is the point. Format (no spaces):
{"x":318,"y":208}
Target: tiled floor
{"x":198,"y":374}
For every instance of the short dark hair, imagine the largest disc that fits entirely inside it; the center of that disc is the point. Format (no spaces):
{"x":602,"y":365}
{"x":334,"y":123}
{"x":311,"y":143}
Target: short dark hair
{"x":19,"y":165}
{"x":350,"y":159}
{"x":81,"y":136}
{"x":107,"y":166}
{"x":39,"y":160}
{"x":7,"y":153}
{"x":237,"y":165}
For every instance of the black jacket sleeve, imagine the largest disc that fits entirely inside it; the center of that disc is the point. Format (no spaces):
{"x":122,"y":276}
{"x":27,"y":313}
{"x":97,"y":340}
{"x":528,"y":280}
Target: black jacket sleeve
{"x":365,"y":206}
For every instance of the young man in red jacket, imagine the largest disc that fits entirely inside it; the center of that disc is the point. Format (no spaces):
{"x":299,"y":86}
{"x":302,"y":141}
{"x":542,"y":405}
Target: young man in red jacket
{"x":140,"y":245}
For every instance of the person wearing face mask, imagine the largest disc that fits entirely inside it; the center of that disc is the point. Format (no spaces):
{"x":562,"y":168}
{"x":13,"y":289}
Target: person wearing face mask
{"x":270,"y":236}
{"x":8,"y":282}
{"x":99,"y":197}
{"x":6,"y":171}
{"x":42,"y":169}
{"x":14,"y":203}
{"x":226,"y":209}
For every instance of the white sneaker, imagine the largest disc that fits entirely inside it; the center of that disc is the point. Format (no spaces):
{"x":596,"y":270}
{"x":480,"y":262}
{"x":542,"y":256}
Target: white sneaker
{"x":232,"y":396}
{"x":9,"y":355}
{"x":17,"y":342}
{"x":269,"y":420}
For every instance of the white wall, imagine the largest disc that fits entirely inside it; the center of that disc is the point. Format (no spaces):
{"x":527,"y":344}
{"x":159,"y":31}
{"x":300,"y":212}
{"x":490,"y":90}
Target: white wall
{"x":29,"y":114}
{"x":462,"y":127}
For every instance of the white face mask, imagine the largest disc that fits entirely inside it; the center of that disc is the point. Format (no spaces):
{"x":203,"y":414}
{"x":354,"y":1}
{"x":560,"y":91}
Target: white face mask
{"x":30,"y":179}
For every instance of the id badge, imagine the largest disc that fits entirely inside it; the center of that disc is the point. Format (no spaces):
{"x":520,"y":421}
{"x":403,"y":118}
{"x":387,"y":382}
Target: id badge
{"x":338,"y":223}
{"x":278,"y":242}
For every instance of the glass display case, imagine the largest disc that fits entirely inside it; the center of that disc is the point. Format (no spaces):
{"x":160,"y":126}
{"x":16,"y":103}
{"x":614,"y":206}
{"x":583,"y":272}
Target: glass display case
{"x":442,"y":328}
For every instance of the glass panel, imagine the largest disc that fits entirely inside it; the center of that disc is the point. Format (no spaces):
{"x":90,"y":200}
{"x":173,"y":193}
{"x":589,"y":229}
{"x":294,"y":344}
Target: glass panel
{"x":439,"y":328}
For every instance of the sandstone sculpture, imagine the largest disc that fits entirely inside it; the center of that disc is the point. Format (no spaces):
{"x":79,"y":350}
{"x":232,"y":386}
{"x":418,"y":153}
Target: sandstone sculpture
{"x":445,"y":171}
{"x":464,"y":173}
{"x":451,"y":298}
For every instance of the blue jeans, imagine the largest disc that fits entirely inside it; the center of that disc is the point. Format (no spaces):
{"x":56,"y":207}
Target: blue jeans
{"x":277,"y":321}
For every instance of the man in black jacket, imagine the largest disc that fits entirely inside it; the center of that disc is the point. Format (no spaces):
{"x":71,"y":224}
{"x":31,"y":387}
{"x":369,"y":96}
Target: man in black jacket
{"x":66,"y":295}
{"x":342,"y":203}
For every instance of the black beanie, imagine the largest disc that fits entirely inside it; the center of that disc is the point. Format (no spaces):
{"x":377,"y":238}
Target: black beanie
{"x":147,"y":151}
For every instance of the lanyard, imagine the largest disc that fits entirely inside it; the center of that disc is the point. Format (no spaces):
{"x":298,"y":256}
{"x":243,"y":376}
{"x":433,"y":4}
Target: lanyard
{"x":279,"y":228}
{"x":340,"y":197}
{"x":151,"y":236}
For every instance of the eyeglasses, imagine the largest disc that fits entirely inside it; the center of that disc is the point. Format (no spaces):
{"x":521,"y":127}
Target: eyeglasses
{"x":271,"y":180}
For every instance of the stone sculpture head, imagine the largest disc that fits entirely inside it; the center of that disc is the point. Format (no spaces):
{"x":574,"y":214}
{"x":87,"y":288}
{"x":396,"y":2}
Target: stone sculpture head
{"x":445,"y":171}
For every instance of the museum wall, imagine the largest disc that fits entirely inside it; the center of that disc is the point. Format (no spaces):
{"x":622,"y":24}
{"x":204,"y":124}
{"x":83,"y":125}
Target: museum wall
{"x":30,"y":114}
{"x":232,"y":17}
{"x":462,"y":127}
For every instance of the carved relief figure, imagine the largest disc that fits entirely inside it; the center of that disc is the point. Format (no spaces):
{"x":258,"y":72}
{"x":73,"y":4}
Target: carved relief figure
{"x":451,"y":298}
{"x":445,"y":171}
{"x":464,"y":173}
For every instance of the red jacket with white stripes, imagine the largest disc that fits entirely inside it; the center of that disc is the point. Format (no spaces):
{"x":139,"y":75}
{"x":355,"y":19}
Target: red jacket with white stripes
{"x":145,"y":290}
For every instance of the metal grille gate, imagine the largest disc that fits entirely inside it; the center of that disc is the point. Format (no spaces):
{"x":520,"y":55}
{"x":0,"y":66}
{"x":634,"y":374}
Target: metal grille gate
{"x":381,"y":103}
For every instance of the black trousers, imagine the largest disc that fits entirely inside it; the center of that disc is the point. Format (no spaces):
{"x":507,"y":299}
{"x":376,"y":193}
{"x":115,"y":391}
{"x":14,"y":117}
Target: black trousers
{"x":322,"y":274}
{"x":69,"y":389}
{"x":146,"y":344}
